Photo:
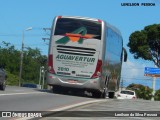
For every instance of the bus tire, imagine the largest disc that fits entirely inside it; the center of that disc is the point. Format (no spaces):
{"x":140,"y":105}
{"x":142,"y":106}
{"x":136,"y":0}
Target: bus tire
{"x":96,"y":94}
{"x":56,"y":89}
{"x":2,"y":87}
{"x":104,"y":94}
{"x":111,"y":94}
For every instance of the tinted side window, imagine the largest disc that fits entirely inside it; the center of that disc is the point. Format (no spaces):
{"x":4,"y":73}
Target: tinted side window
{"x":114,"y":41}
{"x":114,"y":46}
{"x":127,"y":92}
{"x":130,"y":93}
{"x":68,"y":25}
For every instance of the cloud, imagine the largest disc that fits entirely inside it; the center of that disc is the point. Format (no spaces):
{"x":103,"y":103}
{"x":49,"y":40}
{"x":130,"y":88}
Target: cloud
{"x":133,"y":72}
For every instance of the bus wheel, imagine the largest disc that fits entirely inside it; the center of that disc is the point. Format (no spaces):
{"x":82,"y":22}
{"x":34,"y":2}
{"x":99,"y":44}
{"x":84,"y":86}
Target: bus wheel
{"x":111,"y":94}
{"x":2,"y":86}
{"x":104,"y":94}
{"x":96,"y":94}
{"x":56,"y":89}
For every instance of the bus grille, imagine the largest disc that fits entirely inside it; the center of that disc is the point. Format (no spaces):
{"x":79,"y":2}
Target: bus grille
{"x":76,"y":50}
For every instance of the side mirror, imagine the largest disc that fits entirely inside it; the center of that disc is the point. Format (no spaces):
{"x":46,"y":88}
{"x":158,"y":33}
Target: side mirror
{"x":125,"y":54}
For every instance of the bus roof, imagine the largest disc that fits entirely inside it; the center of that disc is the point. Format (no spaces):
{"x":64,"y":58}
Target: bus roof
{"x":114,"y":28}
{"x":79,"y":17}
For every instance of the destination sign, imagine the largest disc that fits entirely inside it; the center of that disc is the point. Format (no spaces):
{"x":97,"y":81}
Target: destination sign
{"x":154,"y":72}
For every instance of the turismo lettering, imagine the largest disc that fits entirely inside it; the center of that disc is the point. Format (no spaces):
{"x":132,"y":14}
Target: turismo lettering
{"x":75,"y":58}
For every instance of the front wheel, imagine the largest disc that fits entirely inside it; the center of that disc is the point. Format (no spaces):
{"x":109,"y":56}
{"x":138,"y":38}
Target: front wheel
{"x":104,"y":94}
{"x":111,"y":94}
{"x":56,"y":89}
{"x":2,"y":87}
{"x":96,"y":94}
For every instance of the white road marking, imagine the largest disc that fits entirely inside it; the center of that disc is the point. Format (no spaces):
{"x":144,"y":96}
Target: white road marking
{"x":18,"y":90}
{"x":66,"y":107}
{"x":77,"y":104}
{"x":21,"y":93}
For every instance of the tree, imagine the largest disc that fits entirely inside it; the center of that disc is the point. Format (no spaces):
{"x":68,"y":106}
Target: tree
{"x":32,"y":61}
{"x":157,"y":95}
{"x":142,"y":91}
{"x":145,"y":44}
{"x":9,"y":57}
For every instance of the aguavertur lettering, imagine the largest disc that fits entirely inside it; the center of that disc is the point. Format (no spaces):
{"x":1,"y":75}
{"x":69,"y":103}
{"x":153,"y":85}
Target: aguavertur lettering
{"x":75,"y":58}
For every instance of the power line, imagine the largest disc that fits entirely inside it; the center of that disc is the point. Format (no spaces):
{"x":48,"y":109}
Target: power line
{"x":135,"y":78}
{"x":18,"y":35}
{"x":133,"y":68}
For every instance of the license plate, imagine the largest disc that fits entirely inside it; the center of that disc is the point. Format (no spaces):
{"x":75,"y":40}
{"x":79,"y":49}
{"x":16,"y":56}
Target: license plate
{"x":72,"y":81}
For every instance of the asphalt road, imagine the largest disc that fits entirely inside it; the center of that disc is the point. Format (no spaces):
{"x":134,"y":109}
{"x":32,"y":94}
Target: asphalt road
{"x":28,"y":99}
{"x":111,"y":109}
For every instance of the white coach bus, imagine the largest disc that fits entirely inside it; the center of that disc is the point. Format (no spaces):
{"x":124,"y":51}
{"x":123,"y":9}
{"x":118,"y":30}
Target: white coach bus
{"x":86,"y":54}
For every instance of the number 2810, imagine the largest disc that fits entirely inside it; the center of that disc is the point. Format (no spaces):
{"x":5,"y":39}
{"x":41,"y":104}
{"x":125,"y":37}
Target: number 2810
{"x":63,"y":69}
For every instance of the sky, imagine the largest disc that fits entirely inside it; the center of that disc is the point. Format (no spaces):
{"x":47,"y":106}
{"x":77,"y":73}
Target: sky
{"x":18,"y":15}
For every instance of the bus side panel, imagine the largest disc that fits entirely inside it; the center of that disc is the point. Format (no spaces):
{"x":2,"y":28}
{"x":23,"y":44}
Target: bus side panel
{"x":113,"y":63}
{"x":102,"y":57}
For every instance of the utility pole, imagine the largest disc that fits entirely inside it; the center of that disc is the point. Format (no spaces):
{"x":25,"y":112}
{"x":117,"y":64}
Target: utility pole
{"x":21,"y":60}
{"x":43,"y":72}
{"x":39,"y":83}
{"x":154,"y":78}
{"x":153,"y":84}
{"x":45,"y":39}
{"x":21,"y":57}
{"x":153,"y":87}
{"x":45,"y":29}
{"x":41,"y":76}
{"x":122,"y":82}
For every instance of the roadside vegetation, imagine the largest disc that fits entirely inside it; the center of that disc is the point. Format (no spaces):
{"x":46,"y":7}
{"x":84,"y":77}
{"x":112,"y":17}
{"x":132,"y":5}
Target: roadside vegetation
{"x":144,"y":92}
{"x":157,"y":95}
{"x":145,"y":44}
{"x":10,"y":61}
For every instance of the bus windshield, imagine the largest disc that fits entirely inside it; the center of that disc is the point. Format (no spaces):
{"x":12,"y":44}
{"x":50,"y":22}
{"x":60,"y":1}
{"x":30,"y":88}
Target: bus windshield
{"x":70,"y":26}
